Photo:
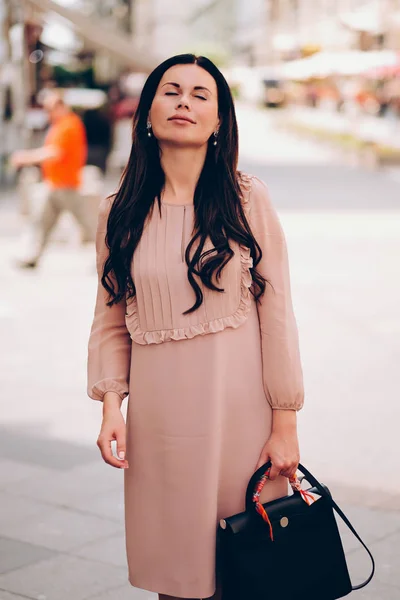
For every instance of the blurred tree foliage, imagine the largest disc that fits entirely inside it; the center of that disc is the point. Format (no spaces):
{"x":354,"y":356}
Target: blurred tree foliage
{"x":67,"y":77}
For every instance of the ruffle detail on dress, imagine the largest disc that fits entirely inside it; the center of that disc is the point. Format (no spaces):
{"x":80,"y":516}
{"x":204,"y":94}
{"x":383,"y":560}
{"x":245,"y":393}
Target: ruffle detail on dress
{"x":186,"y":333}
{"x":245,"y":182}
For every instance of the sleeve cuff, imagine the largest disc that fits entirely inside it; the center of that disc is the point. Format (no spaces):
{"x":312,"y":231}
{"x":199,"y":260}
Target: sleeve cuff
{"x":97,"y":391}
{"x":295,"y":408}
{"x":295,"y":403}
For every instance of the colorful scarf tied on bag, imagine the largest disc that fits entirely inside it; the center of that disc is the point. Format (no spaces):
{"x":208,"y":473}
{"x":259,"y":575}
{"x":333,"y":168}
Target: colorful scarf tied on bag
{"x":295,"y":484}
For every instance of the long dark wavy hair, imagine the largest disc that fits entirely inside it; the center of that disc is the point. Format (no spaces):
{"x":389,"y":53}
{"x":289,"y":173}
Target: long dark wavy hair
{"x":219,"y":214}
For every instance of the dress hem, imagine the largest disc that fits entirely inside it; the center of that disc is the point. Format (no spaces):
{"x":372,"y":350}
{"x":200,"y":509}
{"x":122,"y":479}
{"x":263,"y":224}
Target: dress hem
{"x":152,"y":589}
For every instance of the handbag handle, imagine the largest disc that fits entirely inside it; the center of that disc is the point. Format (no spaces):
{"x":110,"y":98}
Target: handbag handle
{"x":324,"y":492}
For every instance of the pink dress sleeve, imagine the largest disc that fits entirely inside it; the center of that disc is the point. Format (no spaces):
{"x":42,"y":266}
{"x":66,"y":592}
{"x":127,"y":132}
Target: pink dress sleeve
{"x":109,"y":348}
{"x":282,"y":370}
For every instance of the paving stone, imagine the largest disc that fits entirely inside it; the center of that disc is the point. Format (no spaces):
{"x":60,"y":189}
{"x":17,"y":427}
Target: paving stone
{"x":8,"y":596}
{"x":111,"y":550}
{"x":371,"y":524}
{"x":16,"y":508}
{"x":14,"y":472}
{"x":387,"y":558}
{"x":376,"y":590}
{"x":15,"y":554}
{"x":109,"y":505}
{"x":64,"y":488}
{"x":63,"y":578}
{"x":362,"y":496}
{"x":27,"y":444}
{"x":60,"y":529}
{"x":392,"y":502}
{"x":126,"y":592}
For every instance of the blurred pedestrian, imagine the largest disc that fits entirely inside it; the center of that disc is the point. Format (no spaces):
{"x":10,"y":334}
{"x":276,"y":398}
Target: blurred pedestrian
{"x":194,"y":321}
{"x":61,"y":158}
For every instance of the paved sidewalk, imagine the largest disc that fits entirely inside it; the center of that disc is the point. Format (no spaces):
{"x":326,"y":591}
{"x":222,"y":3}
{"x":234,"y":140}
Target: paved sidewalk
{"x":61,"y":527}
{"x":366,"y":128}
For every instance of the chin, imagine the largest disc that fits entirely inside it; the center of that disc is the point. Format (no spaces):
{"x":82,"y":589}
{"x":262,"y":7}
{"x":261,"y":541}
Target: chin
{"x":182,"y":141}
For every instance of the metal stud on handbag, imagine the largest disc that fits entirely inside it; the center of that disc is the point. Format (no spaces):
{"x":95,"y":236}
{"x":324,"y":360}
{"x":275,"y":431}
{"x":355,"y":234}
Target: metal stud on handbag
{"x":287,"y":549}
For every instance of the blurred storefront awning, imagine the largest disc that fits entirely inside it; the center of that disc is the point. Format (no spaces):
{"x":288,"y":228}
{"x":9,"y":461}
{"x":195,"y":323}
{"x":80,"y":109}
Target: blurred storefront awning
{"x":346,"y":63}
{"x":100,"y":35}
{"x":389,"y":70}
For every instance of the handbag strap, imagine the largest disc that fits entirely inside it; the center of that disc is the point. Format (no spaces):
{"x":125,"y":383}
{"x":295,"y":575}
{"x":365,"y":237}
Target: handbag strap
{"x":323,"y":491}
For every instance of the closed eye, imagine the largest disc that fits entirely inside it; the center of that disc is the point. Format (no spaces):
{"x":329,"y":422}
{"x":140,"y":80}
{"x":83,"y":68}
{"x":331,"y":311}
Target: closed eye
{"x":176,"y":94}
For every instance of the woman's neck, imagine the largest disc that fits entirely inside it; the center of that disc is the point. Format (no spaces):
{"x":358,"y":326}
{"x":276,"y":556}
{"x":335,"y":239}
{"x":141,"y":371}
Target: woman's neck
{"x":182,"y":168}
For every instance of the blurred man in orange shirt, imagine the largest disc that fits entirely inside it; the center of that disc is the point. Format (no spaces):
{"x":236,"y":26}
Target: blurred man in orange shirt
{"x":61,"y":158}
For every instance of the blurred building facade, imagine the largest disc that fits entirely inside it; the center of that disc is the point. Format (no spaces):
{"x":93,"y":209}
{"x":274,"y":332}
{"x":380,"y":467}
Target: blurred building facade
{"x":268,"y":32}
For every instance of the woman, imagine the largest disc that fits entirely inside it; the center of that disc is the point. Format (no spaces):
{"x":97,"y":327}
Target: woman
{"x":194,"y":320}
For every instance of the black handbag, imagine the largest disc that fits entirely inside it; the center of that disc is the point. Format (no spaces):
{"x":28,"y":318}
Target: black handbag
{"x":297,"y":554}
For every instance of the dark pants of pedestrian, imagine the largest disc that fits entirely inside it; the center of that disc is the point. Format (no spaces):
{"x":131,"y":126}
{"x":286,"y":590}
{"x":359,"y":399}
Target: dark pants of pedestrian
{"x":44,"y":220}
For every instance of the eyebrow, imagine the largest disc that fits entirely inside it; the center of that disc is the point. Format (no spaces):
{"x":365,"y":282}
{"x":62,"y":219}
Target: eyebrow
{"x":197,"y":87}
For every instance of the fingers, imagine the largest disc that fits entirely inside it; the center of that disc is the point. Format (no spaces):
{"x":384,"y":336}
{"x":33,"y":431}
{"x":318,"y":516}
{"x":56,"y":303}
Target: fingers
{"x":275,"y":471}
{"x":283,"y":469}
{"x":278,"y":468}
{"x":113,"y":429}
{"x":289,"y":473}
{"x":121,"y":448}
{"x":264,"y":458}
{"x":284,"y":458}
{"x":104,"y":444}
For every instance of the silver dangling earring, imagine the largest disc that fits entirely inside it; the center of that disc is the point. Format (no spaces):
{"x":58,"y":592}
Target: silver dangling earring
{"x":215,"y":137}
{"x":149,"y":129}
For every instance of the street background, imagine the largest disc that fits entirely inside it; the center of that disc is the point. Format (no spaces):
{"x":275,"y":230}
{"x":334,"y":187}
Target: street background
{"x":61,"y":517}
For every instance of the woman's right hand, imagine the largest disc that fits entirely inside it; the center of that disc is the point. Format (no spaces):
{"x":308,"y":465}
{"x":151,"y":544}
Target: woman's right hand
{"x":113,"y":427}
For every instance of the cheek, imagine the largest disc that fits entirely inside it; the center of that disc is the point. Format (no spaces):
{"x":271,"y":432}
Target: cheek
{"x":158,"y":113}
{"x":208,"y":115}
{"x":208,"y":112}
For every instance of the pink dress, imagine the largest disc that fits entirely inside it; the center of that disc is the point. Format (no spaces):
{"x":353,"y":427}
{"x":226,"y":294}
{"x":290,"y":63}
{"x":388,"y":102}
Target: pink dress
{"x":201,"y":388}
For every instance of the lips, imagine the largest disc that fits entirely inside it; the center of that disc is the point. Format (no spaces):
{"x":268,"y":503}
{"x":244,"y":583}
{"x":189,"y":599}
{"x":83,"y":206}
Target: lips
{"x":182,"y":118}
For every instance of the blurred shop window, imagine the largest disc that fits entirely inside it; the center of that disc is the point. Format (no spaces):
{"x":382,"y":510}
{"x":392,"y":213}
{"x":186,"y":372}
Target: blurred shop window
{"x":99,"y":137}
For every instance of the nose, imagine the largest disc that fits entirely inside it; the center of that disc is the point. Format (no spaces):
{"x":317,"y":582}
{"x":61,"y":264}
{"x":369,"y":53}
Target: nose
{"x":183,"y":102}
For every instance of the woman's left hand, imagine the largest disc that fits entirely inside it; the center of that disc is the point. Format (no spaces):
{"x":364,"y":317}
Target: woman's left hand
{"x":282,"y":449}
